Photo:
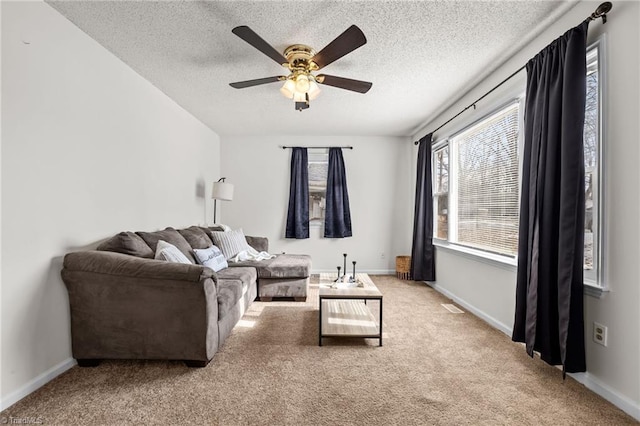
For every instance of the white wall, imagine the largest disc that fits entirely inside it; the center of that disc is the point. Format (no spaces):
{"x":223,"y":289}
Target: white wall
{"x":377,"y":179}
{"x":89,"y":148}
{"x":489,"y":290}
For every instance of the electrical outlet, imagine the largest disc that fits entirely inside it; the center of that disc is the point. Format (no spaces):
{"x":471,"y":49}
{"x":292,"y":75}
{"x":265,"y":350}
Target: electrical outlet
{"x":600,"y":334}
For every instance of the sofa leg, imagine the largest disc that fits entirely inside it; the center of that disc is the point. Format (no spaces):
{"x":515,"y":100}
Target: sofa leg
{"x":196,"y":364}
{"x":88,"y":362}
{"x":266,"y":299}
{"x":300,"y":299}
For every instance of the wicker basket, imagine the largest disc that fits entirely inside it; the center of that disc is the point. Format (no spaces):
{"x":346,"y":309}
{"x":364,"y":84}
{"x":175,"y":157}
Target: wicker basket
{"x":403,"y":267}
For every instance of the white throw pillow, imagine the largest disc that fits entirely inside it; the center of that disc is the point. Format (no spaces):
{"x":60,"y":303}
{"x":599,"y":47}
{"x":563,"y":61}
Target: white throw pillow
{"x":231,"y":242}
{"x":211,"y":257}
{"x":170,"y":253}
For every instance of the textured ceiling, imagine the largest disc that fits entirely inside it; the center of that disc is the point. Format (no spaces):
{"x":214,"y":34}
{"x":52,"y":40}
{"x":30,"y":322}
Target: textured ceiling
{"x":420,"y":56}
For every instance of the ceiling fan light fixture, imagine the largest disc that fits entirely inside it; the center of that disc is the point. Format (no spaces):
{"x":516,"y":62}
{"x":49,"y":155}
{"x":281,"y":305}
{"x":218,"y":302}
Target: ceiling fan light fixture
{"x":288,"y":89}
{"x":299,"y":96}
{"x":302,"y":83}
{"x":314,"y":90}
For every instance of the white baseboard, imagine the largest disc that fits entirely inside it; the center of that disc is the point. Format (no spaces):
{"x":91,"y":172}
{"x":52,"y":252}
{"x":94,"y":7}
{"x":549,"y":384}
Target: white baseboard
{"x":622,"y":402}
{"x":477,"y":312}
{"x":592,"y":383}
{"x":36,"y":383}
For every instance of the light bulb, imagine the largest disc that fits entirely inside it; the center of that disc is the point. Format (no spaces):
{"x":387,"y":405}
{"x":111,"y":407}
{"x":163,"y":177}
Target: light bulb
{"x":299,"y":97}
{"x":288,"y":88}
{"x":314,"y":90}
{"x":302,"y":83}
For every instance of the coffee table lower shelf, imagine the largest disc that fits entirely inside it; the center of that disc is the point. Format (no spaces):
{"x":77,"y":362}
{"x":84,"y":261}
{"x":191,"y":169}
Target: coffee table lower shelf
{"x":348,"y":318}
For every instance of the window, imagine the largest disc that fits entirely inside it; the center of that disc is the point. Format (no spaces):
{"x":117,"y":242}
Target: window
{"x":592,"y":181}
{"x":476,"y":180}
{"x":476,"y":193}
{"x":441,"y":192}
{"x":318,"y":170}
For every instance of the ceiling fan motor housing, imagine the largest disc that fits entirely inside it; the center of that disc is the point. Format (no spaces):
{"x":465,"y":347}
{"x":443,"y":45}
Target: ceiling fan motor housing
{"x":299,"y":57}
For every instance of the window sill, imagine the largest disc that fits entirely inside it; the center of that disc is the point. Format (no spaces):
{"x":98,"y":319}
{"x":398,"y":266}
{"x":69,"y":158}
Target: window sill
{"x":594,"y":290}
{"x":505,"y":262}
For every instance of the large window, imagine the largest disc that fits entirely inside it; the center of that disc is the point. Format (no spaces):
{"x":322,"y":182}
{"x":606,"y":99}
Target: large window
{"x":476,"y":184}
{"x":592,"y":156}
{"x":476,"y":180}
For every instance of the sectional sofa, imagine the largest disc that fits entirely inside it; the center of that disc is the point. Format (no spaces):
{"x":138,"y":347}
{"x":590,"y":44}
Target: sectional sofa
{"x":124,"y":304}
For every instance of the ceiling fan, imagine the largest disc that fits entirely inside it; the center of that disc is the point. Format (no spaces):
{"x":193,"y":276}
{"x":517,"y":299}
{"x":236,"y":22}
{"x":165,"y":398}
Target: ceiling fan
{"x":301,"y":60}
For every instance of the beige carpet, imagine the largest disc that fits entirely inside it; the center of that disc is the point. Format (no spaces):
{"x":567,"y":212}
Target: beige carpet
{"x":435,"y":367}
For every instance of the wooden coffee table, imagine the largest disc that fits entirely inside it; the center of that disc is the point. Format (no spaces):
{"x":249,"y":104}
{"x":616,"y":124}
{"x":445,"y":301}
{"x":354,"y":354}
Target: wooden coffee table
{"x":344,"y":312}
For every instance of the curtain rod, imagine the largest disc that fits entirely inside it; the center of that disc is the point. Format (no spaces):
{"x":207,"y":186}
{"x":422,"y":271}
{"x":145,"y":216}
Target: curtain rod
{"x":318,"y":147}
{"x":600,"y":12}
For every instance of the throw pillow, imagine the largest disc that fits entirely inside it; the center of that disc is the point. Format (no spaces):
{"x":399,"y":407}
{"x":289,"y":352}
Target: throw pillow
{"x":170,"y":253}
{"x":231,"y":243}
{"x":211,"y":257}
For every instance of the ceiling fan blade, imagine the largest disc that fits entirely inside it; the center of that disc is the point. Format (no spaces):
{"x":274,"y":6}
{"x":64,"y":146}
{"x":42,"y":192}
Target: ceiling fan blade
{"x":344,"y":83}
{"x":248,"y":35}
{"x":345,"y":43}
{"x":256,"y":82}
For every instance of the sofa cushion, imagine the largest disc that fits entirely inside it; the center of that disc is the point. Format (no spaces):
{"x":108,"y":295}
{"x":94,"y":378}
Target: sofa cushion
{"x":282,"y":266}
{"x":207,"y":229}
{"x":171,"y":236}
{"x":258,"y":243}
{"x":231,"y":243}
{"x":232,"y":284}
{"x":170,"y":253}
{"x":229,"y":292}
{"x":244,"y":274}
{"x":127,"y":243}
{"x":196,"y":237}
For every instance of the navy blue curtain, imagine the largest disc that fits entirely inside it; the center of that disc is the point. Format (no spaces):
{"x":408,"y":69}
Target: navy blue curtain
{"x":549,"y":293}
{"x":423,"y":264}
{"x":337,"y":219}
{"x":298,"y":214}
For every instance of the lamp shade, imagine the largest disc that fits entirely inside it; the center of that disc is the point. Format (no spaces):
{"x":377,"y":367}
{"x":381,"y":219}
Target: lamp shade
{"x":222,"y":191}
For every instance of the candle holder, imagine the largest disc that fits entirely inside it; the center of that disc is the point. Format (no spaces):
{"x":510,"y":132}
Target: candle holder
{"x":344,"y":276}
{"x":345,"y":263}
{"x":353,"y":277}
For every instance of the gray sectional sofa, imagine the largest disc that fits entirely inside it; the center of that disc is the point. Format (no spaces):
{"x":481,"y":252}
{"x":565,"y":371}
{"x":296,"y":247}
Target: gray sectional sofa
{"x":126,"y":305}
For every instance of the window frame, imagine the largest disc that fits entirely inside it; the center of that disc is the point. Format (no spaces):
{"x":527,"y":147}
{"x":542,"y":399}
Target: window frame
{"x":485,"y":255}
{"x":595,"y":282}
{"x":314,"y":157}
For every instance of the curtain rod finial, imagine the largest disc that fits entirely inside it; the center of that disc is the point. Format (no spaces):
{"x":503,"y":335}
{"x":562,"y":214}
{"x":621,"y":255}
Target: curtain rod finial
{"x":601,"y":12}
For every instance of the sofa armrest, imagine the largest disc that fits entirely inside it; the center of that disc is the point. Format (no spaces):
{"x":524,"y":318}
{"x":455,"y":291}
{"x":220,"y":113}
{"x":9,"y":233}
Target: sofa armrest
{"x":117,"y":264}
{"x":258,"y":243}
{"x":124,"y":307}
